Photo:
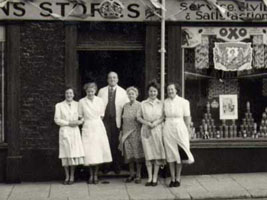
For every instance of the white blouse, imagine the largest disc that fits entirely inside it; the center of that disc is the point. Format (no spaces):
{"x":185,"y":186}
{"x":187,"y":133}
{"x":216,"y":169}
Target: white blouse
{"x":177,"y":107}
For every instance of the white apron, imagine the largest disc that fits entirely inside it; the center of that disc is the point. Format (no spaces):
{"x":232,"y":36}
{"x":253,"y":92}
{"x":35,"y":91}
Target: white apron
{"x":175,"y":132}
{"x":70,"y":143}
{"x":94,"y":136}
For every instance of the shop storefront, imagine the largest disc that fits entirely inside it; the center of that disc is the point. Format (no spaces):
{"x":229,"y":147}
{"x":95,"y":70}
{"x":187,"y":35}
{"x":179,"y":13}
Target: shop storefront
{"x":218,"y":59}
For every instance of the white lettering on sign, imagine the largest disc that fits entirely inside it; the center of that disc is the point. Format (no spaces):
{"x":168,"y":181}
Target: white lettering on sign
{"x":132,"y":10}
{"x":65,"y":10}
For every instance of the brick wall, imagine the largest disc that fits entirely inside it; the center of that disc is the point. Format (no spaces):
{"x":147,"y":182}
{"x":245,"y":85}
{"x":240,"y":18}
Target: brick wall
{"x":42,"y":82}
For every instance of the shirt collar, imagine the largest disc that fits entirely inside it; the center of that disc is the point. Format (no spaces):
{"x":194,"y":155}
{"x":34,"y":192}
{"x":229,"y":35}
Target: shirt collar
{"x":89,"y":100}
{"x":175,"y":98}
{"x":68,"y":103}
{"x":148,"y":100}
{"x":114,"y":87}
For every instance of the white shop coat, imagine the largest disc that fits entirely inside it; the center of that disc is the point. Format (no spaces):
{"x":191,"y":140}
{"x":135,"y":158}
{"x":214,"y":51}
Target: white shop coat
{"x":121,"y":99}
{"x":70,"y":142}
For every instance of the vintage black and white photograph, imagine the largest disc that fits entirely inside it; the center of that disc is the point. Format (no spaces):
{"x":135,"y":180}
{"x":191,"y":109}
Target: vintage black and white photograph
{"x":133,"y":99}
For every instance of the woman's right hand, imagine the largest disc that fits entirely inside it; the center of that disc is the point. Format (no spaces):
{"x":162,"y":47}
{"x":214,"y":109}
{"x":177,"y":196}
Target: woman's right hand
{"x":150,"y":125}
{"x":73,"y":123}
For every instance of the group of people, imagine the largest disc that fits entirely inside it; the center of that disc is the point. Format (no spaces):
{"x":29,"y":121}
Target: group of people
{"x":115,"y":124}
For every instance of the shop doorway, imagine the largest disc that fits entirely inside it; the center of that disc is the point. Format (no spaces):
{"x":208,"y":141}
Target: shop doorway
{"x":130,"y":66}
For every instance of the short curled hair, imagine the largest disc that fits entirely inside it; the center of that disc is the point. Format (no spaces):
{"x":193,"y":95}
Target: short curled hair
{"x":90,"y":85}
{"x":153,"y":84}
{"x":176,"y":85}
{"x":132,"y":88}
{"x":69,"y":88}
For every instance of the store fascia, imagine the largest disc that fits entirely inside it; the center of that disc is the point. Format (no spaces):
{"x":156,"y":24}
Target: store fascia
{"x":225,"y":131}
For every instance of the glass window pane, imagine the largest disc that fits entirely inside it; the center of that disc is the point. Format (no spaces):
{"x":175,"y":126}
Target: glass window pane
{"x":225,"y":73}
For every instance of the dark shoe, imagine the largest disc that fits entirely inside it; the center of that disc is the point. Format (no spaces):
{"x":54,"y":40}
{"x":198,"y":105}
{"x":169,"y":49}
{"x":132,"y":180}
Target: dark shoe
{"x":106,"y":170}
{"x":129,"y":179}
{"x":95,"y":181}
{"x":176,"y":184}
{"x":148,"y":184}
{"x":71,"y":182}
{"x":117,"y":171}
{"x":171,"y":184}
{"x":154,"y":184}
{"x":138,"y":180}
{"x":89,"y":181}
{"x":65,"y":182}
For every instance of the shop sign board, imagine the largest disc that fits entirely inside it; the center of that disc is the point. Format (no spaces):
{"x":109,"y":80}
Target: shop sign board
{"x":202,"y":11}
{"x":130,"y":10}
{"x":193,"y":36}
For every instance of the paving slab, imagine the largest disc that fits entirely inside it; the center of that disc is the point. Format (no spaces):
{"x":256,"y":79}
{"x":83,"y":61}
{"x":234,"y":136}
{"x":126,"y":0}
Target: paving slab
{"x":77,"y":191}
{"x":255,"y":183}
{"x":224,"y":186}
{"x":220,"y":187}
{"x":5,"y":191}
{"x":178,"y":192}
{"x":115,"y":190}
{"x":255,"y":193}
{"x":193,"y":187}
{"x":141,"y":192}
{"x":28,"y":191}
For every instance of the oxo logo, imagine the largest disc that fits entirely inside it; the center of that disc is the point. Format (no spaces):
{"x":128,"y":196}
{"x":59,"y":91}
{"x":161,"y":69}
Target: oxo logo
{"x":233,"y":33}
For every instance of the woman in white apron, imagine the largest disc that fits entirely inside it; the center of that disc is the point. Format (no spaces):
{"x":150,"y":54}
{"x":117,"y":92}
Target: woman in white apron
{"x":151,"y":117}
{"x":94,"y":136}
{"x":70,"y":144}
{"x":176,"y":133}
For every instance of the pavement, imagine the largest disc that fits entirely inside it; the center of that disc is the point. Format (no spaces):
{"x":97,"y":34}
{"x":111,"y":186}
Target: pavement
{"x":222,"y":186}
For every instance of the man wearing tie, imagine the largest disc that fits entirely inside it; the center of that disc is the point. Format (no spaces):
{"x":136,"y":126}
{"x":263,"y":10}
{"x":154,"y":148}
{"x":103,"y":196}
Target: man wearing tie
{"x":114,"y":98}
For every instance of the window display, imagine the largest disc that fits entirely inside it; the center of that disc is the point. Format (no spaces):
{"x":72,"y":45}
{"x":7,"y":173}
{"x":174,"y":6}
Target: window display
{"x":225,"y":73}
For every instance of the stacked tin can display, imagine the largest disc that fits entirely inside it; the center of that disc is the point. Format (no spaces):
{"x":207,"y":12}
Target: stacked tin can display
{"x":263,"y":125}
{"x":228,"y":130}
{"x":248,"y":128}
{"x":207,"y":129}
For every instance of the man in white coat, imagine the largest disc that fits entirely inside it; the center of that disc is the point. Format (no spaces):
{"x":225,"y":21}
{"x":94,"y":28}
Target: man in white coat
{"x":114,"y":98}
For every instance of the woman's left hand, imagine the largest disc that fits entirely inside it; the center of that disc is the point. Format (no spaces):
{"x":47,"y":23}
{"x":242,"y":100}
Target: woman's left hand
{"x":73,"y":123}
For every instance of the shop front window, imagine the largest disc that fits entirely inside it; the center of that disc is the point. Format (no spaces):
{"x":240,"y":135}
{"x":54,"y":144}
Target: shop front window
{"x":2,"y":64}
{"x":225,"y":80}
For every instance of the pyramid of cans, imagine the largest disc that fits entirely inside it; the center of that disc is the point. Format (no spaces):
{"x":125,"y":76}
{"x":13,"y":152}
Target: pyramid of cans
{"x":207,"y":129}
{"x":228,"y":131}
{"x":263,"y":125}
{"x":248,"y":127}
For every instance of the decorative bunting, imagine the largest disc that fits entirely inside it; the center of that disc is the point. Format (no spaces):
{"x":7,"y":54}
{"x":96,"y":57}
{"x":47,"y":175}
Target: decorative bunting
{"x":232,"y":56}
{"x":54,"y":15}
{"x":151,"y":9}
{"x":202,"y":54}
{"x":221,"y":9}
{"x":258,"y":51}
{"x":157,"y":4}
{"x":240,"y":4}
{"x":3,"y":3}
